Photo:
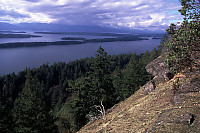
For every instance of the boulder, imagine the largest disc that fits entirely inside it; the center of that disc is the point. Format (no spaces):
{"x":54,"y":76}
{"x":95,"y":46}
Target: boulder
{"x":148,"y":87}
{"x":158,"y":69}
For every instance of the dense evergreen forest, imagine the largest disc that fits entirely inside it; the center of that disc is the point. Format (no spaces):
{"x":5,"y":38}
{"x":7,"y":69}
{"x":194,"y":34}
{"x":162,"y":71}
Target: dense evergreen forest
{"x":62,"y":96}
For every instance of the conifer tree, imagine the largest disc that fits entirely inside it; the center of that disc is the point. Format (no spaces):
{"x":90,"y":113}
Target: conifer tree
{"x":5,"y":118}
{"x":72,"y":115}
{"x":184,"y":43}
{"x":135,"y":75}
{"x":118,"y":83}
{"x":29,"y":111}
{"x":101,"y":79}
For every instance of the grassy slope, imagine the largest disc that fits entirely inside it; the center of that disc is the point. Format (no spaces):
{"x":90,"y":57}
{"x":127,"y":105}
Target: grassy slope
{"x":155,"y":112}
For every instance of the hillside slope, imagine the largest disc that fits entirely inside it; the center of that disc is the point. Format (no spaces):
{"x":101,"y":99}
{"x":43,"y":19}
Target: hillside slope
{"x":171,"y":106}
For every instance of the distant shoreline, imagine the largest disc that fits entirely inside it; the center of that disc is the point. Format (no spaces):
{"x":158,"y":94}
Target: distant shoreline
{"x":70,"y":42}
{"x":3,"y":35}
{"x":37,"y":44}
{"x":114,"y":37}
{"x":88,"y":33}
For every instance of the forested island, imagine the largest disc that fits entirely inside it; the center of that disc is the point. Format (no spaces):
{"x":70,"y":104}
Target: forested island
{"x":17,"y":36}
{"x":73,"y":38}
{"x":38,"y":44}
{"x":125,"y":38}
{"x":69,"y":41}
{"x":6,"y":31}
{"x":112,"y":37}
{"x":128,"y":38}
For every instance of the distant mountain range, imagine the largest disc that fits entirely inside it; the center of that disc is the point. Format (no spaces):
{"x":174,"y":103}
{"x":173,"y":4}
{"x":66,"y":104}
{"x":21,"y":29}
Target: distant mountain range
{"x":69,"y":28}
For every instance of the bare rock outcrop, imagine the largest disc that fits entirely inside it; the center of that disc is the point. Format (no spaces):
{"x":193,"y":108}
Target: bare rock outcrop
{"x":174,"y":106}
{"x":160,"y":72}
{"x":148,"y":87}
{"x":158,"y":69}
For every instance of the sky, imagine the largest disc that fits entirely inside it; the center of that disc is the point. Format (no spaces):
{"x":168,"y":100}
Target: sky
{"x":133,"y":14}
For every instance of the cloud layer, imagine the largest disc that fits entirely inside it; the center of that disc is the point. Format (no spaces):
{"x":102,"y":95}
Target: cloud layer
{"x":150,"y":14}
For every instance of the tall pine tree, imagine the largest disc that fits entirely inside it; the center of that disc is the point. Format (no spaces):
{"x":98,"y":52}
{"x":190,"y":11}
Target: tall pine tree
{"x":29,"y":111}
{"x":5,"y":117}
{"x":134,"y":76}
{"x":101,"y":80}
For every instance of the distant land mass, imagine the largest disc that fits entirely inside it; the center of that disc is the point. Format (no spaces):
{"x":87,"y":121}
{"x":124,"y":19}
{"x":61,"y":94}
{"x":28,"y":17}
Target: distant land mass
{"x":70,"y":41}
{"x":70,"y":28}
{"x":17,"y":35}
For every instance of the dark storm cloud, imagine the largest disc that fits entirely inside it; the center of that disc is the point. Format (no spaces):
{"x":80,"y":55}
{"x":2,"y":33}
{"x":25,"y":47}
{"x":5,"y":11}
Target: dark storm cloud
{"x":127,"y":13}
{"x":32,"y":0}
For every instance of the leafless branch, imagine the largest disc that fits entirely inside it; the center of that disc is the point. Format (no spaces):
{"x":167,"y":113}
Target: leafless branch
{"x":101,"y":109}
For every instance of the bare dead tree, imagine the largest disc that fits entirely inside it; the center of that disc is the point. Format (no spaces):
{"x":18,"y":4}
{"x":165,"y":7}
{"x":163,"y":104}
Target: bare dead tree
{"x":91,"y":117}
{"x":101,"y":109}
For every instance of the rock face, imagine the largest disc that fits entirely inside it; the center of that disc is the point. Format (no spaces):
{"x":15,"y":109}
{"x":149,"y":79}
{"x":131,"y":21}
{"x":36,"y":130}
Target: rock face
{"x":171,"y":107}
{"x":148,"y":87}
{"x":158,"y":69}
{"x":160,"y":72}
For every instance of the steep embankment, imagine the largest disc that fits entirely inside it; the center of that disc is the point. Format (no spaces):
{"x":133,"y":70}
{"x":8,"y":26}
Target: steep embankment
{"x":166,"y":104}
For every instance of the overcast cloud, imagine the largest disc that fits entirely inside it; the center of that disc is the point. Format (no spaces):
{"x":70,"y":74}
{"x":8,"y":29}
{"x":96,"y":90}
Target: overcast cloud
{"x":150,"y":14}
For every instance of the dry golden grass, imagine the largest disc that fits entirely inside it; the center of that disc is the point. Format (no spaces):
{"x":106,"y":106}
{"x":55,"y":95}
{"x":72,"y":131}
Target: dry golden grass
{"x":160,"y":111}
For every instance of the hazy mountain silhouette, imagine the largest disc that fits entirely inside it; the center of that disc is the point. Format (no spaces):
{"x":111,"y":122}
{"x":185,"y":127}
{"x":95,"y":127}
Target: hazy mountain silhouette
{"x":69,"y":28}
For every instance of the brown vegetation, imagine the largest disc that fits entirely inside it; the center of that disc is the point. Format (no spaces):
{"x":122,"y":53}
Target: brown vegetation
{"x":174,"y":106}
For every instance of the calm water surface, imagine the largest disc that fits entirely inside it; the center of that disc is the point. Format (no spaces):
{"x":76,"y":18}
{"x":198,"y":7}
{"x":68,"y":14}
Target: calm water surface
{"x":17,"y":59}
{"x":47,"y":37}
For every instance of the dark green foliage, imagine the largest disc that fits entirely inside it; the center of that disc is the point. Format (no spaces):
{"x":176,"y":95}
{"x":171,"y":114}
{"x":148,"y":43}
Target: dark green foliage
{"x":66,"y":119}
{"x":162,"y":48}
{"x":171,"y":30}
{"x":184,"y":42}
{"x":190,"y":9}
{"x":65,"y":94}
{"x":135,"y":74}
{"x":102,"y":86}
{"x":72,"y":116}
{"x":128,"y":80}
{"x":5,"y":116}
{"x":29,"y":111}
{"x":89,"y":91}
{"x":118,"y":84}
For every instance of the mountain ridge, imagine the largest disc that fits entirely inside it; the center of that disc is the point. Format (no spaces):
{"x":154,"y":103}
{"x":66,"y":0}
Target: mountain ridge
{"x":70,"y":28}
